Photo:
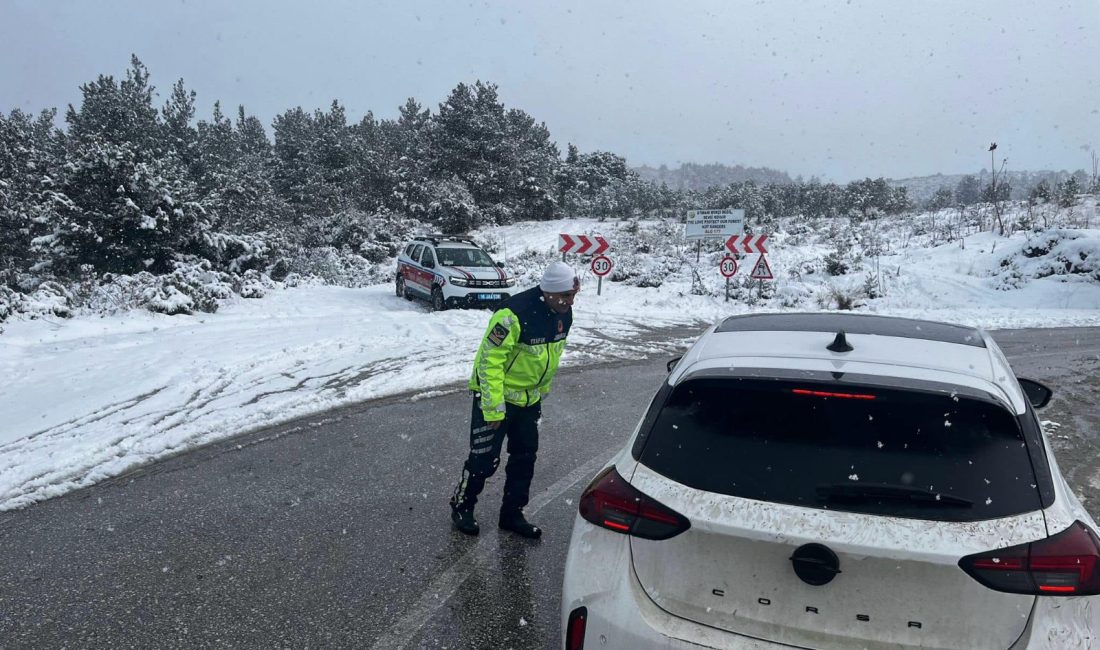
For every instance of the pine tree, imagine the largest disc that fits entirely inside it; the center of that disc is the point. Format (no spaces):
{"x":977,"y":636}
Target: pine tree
{"x":968,"y":191}
{"x":410,"y":140}
{"x":180,"y":138}
{"x":129,"y":204}
{"x":295,"y":177}
{"x":31,"y":168}
{"x":943,"y":198}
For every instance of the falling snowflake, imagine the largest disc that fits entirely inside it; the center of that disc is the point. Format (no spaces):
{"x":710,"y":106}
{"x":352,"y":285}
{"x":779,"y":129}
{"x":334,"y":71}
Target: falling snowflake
{"x":853,"y":477}
{"x":988,"y":501}
{"x":522,"y":621}
{"x":880,"y":445}
{"x":947,"y":423}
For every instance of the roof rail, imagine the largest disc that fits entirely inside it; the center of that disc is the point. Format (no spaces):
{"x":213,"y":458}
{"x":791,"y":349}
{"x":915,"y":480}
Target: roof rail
{"x":435,"y":238}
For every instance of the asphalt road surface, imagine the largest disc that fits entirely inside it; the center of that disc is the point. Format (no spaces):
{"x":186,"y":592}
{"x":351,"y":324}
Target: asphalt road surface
{"x":334,"y":531}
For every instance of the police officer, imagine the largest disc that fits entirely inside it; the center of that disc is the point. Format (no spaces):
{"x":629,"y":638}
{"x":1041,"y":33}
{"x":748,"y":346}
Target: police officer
{"x":513,"y":370}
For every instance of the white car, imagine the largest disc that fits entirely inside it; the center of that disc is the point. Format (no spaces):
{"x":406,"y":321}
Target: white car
{"x":835,"y":481}
{"x":451,"y":271}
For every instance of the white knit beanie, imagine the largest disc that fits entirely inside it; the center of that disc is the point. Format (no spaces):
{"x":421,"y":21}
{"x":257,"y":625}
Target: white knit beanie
{"x":557,"y":278}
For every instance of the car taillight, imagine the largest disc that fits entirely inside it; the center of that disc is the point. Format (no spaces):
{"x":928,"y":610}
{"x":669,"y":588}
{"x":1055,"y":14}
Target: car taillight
{"x":1066,"y":564}
{"x":574,"y":630}
{"x":611,"y":502}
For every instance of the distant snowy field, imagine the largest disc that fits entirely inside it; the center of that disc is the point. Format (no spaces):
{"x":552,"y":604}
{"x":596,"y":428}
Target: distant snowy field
{"x":92,"y":397}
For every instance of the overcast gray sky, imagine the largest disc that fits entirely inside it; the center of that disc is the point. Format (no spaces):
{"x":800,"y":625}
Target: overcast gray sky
{"x":837,"y":89}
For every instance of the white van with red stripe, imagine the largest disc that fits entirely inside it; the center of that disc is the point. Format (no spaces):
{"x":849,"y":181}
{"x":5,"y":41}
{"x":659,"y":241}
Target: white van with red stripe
{"x":451,"y":271}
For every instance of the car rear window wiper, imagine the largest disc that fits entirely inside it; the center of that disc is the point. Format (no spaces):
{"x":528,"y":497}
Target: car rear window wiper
{"x":872,"y":491}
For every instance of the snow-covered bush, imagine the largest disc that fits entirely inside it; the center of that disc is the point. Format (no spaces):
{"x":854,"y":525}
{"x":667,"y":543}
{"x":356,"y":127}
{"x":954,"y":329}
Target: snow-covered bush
{"x":236,"y":253}
{"x":840,"y":298}
{"x":51,"y":298}
{"x":191,"y":286}
{"x":340,"y":268}
{"x":167,"y":299}
{"x":9,"y":302}
{"x":1056,"y":252}
{"x":792,"y":295}
{"x":489,"y":241}
{"x":255,"y":284}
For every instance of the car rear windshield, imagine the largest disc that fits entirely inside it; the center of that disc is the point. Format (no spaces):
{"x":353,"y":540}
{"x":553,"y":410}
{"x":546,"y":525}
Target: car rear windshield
{"x":464,"y":257}
{"x":934,"y":455}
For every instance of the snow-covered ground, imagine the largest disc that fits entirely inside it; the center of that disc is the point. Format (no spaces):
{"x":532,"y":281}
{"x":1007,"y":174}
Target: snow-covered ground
{"x":91,"y":397}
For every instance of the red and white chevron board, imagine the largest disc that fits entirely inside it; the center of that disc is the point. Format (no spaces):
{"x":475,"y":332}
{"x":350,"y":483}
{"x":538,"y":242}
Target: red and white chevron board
{"x":582,"y":244}
{"x":747,"y":244}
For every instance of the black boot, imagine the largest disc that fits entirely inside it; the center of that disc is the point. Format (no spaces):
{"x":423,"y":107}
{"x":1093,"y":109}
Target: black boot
{"x":515,"y":522}
{"x":464,"y":520}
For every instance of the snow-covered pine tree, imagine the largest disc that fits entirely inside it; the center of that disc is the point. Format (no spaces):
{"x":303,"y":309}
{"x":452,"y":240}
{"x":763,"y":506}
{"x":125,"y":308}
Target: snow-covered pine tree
{"x":373,"y":163}
{"x":470,"y":142}
{"x":533,"y":160}
{"x":968,"y":191}
{"x":130,"y":204}
{"x":179,"y":136}
{"x":296,"y":176}
{"x":31,"y":165}
{"x":410,"y":140}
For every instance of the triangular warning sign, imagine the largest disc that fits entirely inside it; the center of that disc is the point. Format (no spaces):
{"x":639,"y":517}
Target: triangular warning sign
{"x":761,"y":270}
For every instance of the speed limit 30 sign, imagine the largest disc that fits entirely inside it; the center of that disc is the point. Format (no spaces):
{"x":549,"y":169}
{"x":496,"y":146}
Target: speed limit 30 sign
{"x":728,"y":266}
{"x":601,"y":265}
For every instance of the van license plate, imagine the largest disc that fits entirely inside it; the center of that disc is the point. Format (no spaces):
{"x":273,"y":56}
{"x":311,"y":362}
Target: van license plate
{"x":488,"y":296}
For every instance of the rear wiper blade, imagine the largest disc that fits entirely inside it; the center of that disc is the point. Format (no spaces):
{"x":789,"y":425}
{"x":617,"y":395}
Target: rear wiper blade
{"x":871,"y":491}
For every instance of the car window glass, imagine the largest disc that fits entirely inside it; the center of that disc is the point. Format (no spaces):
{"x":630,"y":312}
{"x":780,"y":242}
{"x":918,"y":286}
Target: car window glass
{"x":427,"y":257}
{"x":764,"y":440}
{"x":464,"y":257}
{"x":415,"y":254}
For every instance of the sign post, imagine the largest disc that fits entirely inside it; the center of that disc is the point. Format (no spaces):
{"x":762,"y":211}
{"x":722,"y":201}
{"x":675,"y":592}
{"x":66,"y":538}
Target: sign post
{"x":601,"y":266}
{"x":727,"y":267}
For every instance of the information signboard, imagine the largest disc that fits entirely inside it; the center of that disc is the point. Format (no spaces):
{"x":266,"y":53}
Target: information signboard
{"x":714,"y":224}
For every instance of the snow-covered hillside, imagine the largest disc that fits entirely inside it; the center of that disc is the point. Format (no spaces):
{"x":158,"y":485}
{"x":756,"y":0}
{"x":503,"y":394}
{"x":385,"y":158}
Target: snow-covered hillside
{"x":93,"y":396}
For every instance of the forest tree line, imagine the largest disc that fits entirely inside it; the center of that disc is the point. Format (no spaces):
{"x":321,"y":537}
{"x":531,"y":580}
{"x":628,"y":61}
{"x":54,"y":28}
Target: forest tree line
{"x":128,"y":186}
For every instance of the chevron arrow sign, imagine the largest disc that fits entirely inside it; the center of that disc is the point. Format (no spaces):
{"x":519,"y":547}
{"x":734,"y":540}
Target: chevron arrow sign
{"x":747,"y":244}
{"x":582,"y":244}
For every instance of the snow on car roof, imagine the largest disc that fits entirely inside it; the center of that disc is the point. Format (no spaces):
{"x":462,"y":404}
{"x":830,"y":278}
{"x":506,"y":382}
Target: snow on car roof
{"x":882,"y":346}
{"x":855,"y":324}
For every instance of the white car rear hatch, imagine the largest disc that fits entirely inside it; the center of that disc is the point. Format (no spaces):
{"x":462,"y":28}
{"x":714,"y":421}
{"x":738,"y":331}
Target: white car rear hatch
{"x":832,"y":512}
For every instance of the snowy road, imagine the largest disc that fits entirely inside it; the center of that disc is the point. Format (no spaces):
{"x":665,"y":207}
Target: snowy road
{"x":332,"y":530}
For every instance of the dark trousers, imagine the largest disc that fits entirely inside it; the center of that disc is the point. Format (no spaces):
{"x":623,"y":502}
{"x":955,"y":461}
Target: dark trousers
{"x":521,"y":427}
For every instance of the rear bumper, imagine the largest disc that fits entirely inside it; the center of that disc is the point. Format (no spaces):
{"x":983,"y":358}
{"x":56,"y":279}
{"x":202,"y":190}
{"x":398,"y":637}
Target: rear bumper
{"x":600,"y":576}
